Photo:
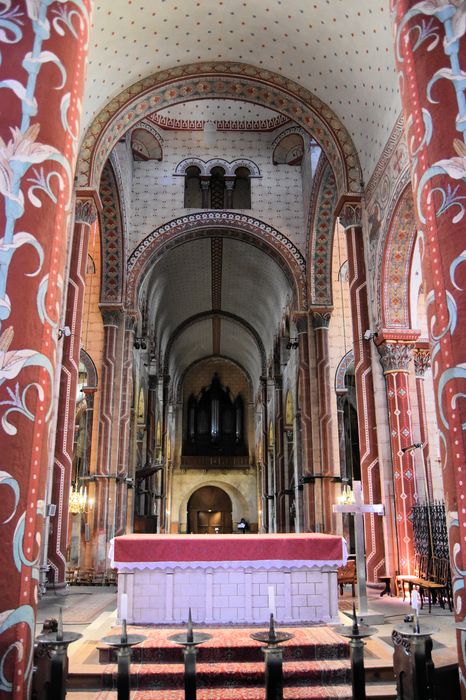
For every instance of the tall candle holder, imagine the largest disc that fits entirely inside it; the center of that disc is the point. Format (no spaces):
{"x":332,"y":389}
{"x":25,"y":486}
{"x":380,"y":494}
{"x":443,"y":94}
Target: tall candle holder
{"x":123,"y":643}
{"x":57,"y":643}
{"x":190,"y":640}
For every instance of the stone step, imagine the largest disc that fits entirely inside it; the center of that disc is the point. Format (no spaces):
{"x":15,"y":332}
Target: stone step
{"x":240,"y":693}
{"x":233,"y":645}
{"x":231,"y":674}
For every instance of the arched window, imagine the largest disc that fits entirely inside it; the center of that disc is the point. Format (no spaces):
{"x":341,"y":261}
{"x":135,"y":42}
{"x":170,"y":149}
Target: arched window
{"x":217,"y":188}
{"x":242,"y":189}
{"x":192,"y":188}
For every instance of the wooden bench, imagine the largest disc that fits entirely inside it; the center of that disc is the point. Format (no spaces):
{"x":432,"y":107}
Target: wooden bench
{"x":431,"y":577}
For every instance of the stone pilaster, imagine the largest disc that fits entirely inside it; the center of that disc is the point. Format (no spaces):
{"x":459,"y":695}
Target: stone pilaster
{"x":350,"y":213}
{"x":85,"y":215}
{"x":301,"y":322}
{"x":107,"y":451}
{"x":320,"y":324}
{"x":395,"y":355}
{"x":280,"y":499}
{"x":126,"y":405}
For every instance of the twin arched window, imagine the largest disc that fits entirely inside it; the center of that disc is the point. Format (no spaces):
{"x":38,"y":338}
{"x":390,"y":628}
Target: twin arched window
{"x":217,"y":190}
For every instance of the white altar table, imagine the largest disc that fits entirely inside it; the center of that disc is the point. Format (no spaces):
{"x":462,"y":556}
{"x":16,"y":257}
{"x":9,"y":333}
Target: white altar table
{"x":235,"y":579}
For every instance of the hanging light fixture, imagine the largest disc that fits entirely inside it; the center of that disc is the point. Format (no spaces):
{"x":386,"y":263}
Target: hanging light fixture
{"x":210,"y":133}
{"x":78,"y":499}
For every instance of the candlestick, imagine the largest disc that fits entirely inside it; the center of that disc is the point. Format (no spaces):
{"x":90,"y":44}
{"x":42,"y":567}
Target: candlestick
{"x":60,"y":626}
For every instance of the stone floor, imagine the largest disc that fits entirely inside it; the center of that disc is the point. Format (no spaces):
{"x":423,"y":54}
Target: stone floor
{"x":92,"y":612}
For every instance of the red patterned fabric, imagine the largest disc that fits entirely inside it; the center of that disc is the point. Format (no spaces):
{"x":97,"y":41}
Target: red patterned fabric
{"x":179,"y":548}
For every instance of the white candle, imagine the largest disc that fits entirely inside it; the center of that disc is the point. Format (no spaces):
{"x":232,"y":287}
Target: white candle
{"x":415,"y":604}
{"x":124,"y":606}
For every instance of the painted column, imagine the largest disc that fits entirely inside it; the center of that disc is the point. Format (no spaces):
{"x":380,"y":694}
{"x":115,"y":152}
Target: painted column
{"x":205,"y":192}
{"x":431,"y":68}
{"x":41,"y":81}
{"x":320,"y":323}
{"x":395,"y":355}
{"x":349,"y":210}
{"x":307,"y":467}
{"x":264,"y":471}
{"x":229,"y":187}
{"x":421,"y":365}
{"x":106,"y":474}
{"x":85,"y":215}
{"x":125,"y":426}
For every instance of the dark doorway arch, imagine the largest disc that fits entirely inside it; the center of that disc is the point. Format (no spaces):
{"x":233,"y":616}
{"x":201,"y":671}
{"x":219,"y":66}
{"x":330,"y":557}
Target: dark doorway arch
{"x":210,"y":511}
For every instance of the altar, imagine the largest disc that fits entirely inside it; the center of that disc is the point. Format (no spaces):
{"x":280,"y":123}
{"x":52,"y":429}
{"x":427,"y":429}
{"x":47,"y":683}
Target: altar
{"x":235,"y":579}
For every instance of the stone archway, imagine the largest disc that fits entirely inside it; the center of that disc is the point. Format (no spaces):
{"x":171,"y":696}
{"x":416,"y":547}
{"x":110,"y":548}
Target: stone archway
{"x":210,"y":511}
{"x":223,"y":224}
{"x":219,"y":80}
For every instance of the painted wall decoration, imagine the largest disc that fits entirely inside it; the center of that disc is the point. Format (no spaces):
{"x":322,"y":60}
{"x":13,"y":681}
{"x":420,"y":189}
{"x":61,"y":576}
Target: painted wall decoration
{"x":396,"y":257}
{"x":43,"y":48}
{"x":112,"y":238}
{"x":430,"y":54}
{"x":220,"y":80}
{"x":321,"y":239}
{"x":206,"y":223}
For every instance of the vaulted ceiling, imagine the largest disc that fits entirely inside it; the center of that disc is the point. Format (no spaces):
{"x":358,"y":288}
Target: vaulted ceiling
{"x":216,"y":296}
{"x":339,"y":50}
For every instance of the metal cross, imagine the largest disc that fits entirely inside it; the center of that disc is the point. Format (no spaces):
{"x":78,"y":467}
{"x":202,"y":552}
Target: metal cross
{"x":358,"y":509}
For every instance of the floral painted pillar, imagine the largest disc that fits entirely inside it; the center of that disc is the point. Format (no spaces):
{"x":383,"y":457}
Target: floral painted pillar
{"x":395,"y":354}
{"x":320,"y":324}
{"x":422,"y":362}
{"x":431,"y":61}
{"x":85,"y":215}
{"x":309,"y":521}
{"x":43,"y":57}
{"x":350,"y":213}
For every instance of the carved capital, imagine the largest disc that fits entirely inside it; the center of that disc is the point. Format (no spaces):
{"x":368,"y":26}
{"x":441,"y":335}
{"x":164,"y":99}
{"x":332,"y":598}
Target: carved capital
{"x":422,"y":361}
{"x":395,"y":357}
{"x":111,"y":315}
{"x":300,"y":321}
{"x":85,"y":211}
{"x":320,"y":319}
{"x":351,"y":215}
{"x":131,"y":320}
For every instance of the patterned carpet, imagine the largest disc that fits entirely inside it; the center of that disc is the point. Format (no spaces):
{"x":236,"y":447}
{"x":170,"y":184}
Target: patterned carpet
{"x":230,"y":666}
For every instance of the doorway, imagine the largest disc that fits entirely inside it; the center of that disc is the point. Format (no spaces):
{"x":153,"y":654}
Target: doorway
{"x":210,"y":511}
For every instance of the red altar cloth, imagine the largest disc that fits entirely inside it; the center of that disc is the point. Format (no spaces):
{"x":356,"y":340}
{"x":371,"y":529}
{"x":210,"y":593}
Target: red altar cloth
{"x":216,"y":548}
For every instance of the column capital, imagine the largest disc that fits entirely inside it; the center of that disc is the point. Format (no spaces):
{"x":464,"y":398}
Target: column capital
{"x":111,"y":314}
{"x":320,"y":318}
{"x":349,"y":211}
{"x":229,"y":182}
{"x":422,"y":360}
{"x":131,"y":321}
{"x":87,"y":206}
{"x":205,"y":182}
{"x":395,"y":357}
{"x":301,"y":322}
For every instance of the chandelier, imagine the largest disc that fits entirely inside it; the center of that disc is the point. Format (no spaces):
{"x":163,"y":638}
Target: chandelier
{"x":78,"y":499}
{"x":346,"y":498}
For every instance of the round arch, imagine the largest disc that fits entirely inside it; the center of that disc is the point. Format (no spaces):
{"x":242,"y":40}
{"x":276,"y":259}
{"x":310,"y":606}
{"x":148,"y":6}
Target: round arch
{"x":177,"y":394}
{"x":224,"y":224}
{"x":396,"y":259}
{"x":219,"y":80}
{"x":215,"y":314}
{"x":239,"y":503}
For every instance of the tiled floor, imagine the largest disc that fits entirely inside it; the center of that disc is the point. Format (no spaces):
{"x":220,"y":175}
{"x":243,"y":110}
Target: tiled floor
{"x":101,"y":607}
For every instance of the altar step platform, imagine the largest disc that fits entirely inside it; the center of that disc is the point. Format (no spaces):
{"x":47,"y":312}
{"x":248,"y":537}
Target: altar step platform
{"x":230,"y":666}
